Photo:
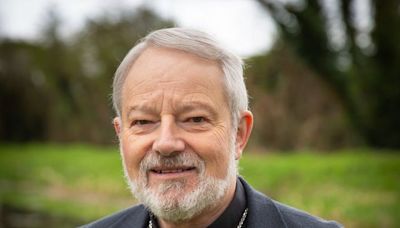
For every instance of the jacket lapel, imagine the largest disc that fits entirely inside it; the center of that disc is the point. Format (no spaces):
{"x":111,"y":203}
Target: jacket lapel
{"x":139,"y":216}
{"x":262,"y":210}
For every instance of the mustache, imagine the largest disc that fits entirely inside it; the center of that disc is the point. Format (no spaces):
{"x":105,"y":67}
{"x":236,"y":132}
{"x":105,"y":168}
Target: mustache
{"x":183,"y":159}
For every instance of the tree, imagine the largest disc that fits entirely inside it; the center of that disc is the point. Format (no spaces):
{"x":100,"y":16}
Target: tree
{"x":363,"y":71}
{"x":58,"y":88}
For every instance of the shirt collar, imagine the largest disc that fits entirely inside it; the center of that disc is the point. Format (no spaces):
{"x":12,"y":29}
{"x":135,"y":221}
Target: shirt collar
{"x":233,"y":213}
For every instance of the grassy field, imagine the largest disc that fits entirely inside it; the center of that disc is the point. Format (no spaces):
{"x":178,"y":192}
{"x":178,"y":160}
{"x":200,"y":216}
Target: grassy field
{"x":77,"y":183}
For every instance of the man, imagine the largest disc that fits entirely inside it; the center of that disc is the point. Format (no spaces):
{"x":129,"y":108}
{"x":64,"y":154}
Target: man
{"x":183,"y":122}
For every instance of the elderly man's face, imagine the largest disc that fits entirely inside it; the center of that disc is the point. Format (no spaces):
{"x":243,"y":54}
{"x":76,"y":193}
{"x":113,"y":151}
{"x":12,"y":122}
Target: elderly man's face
{"x":173,"y":106}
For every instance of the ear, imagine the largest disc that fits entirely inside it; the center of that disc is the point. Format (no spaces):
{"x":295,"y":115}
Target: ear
{"x":243,"y":132}
{"x":117,"y":125}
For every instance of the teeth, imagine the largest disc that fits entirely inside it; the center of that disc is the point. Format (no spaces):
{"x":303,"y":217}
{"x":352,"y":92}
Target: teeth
{"x":171,"y":171}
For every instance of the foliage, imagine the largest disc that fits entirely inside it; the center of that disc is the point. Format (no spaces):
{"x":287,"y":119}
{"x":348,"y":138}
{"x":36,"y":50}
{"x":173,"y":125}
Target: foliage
{"x":293,"y":108}
{"x":359,"y":188}
{"x":57,"y":89}
{"x":310,"y":91}
{"x":360,"y":66}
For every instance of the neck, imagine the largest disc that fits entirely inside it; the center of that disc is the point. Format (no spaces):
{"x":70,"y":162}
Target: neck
{"x":208,"y":216}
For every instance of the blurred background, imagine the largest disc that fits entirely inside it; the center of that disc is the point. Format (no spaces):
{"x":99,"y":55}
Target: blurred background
{"x":324,"y":81}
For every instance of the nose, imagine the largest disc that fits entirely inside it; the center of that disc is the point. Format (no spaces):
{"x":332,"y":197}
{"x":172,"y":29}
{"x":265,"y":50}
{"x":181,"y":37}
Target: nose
{"x":168,"y":142}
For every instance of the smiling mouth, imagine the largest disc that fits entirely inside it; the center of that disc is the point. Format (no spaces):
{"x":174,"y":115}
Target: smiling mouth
{"x":172,"y":170}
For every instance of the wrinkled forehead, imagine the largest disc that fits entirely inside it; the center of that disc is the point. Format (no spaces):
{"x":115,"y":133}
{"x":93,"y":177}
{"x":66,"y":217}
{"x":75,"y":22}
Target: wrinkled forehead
{"x":173,"y":71}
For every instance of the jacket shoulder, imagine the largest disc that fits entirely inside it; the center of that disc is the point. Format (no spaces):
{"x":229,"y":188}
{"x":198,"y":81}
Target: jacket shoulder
{"x":265,"y":212}
{"x":135,"y":216}
{"x":297,"y":218}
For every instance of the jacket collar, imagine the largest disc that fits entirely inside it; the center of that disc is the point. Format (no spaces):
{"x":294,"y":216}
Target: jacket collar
{"x":262,"y":211}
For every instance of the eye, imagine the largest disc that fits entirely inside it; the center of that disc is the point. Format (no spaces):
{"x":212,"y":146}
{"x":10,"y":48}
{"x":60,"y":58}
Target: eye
{"x":196,"y":119}
{"x":141,"y":122}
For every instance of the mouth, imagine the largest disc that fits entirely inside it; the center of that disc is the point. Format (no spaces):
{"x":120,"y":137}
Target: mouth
{"x":171,"y":170}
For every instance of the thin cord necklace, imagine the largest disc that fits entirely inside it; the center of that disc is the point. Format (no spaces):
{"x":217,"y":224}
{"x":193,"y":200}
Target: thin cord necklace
{"x":242,"y":219}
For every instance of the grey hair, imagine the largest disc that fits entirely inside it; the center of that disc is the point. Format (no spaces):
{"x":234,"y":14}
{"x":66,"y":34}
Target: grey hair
{"x":197,"y":43}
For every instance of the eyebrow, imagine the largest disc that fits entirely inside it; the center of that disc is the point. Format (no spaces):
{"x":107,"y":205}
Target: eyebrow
{"x":195,"y":105}
{"x":180,"y":108}
{"x":144,"y":109}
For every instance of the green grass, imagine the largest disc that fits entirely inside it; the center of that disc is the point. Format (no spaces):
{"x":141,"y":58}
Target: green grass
{"x":358,"y":188}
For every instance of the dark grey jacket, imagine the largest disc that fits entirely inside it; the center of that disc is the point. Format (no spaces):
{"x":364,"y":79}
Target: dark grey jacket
{"x":263,"y":212}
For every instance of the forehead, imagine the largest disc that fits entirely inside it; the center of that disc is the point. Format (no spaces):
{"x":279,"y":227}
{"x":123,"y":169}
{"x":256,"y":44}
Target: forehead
{"x":166,"y":63}
{"x":172,"y":72}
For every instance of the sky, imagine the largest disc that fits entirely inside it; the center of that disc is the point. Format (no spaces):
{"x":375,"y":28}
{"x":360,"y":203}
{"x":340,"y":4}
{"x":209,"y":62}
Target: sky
{"x":243,"y":26}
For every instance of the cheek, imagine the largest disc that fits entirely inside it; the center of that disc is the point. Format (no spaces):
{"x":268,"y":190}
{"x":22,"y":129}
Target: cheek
{"x":214,"y":150}
{"x":133,"y":152}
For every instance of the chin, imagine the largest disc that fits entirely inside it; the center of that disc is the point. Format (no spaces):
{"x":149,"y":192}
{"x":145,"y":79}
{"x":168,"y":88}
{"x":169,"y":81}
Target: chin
{"x":174,"y":189}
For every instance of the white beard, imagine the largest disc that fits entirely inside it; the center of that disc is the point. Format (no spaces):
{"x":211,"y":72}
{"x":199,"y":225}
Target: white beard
{"x":169,"y":200}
